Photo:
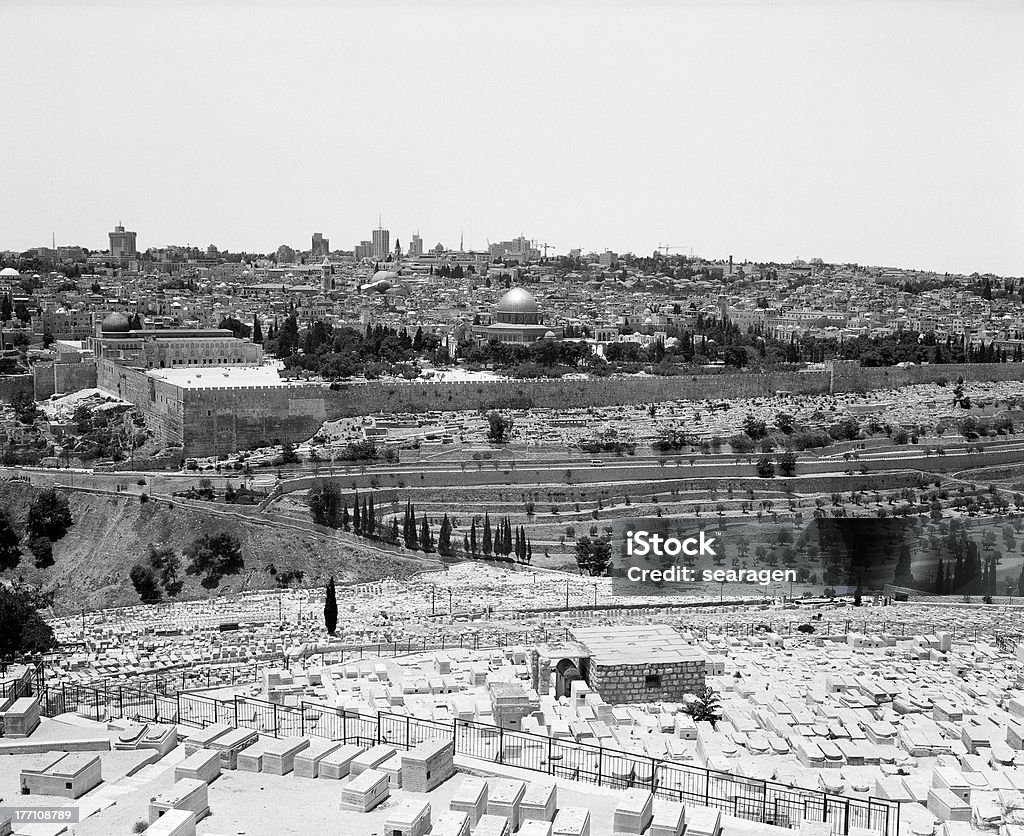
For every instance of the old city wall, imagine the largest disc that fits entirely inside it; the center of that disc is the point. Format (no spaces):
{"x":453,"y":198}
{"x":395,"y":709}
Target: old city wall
{"x":62,"y":378}
{"x":851,"y":377}
{"x":161,"y":403}
{"x":364,"y":398}
{"x":224,"y":420}
{"x":214,"y":421}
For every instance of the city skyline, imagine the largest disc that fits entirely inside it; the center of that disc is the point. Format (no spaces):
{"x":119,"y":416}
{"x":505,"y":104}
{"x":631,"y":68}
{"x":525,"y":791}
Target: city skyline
{"x":765,"y":133}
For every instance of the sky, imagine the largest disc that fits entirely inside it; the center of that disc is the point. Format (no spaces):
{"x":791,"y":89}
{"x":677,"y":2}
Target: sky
{"x":886,"y":133}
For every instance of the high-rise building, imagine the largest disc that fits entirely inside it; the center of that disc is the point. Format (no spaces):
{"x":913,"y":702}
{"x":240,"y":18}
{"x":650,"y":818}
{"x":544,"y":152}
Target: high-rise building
{"x":416,"y":245}
{"x":122,"y":243}
{"x":364,"y":249}
{"x":321,"y":246}
{"x":381,"y":243}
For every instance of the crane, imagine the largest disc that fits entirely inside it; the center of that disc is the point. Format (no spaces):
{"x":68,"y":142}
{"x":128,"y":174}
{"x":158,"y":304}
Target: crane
{"x":664,"y":248}
{"x":545,"y":245}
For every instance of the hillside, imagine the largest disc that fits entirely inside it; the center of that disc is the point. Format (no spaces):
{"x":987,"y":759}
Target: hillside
{"x":111,"y":533}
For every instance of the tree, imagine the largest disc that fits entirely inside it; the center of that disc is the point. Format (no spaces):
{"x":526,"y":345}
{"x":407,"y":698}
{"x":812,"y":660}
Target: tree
{"x":257,"y":330}
{"x":787,"y":463}
{"x":165,"y":563}
{"x":49,"y":515}
{"x":22,"y":629}
{"x":331,"y":608}
{"x":10,"y":550}
{"x":24,"y":406}
{"x":426,"y":538}
{"x":214,"y":556}
{"x":42,"y":550}
{"x":487,"y":542}
{"x":444,"y":538}
{"x":755,"y":427}
{"x":902,"y":575}
{"x":706,"y":705}
{"x":499,"y":427}
{"x":145,"y":583}
{"x":593,"y":556}
{"x":765,"y":467}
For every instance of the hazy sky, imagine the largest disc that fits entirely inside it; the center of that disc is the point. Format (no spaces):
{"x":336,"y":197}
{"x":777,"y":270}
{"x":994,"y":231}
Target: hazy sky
{"x":879,"y":132}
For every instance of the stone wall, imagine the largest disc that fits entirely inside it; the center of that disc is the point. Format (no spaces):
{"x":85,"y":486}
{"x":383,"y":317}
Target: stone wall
{"x":627,"y":683}
{"x":62,"y":378}
{"x":161,"y":403}
{"x":212,"y":421}
{"x":849,"y":376}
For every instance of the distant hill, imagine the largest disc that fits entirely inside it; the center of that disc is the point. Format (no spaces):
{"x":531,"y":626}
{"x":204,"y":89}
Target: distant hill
{"x":111,"y":533}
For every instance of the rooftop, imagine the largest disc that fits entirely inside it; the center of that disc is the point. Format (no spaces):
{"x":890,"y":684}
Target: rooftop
{"x":220,"y":377}
{"x":629,"y":644}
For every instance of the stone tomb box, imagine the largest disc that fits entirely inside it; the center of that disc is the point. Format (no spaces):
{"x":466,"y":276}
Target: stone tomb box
{"x":69,"y":774}
{"x":371,"y":758}
{"x":173,"y":823}
{"x":21,"y":719}
{"x":534,"y":827}
{"x":307,"y":762}
{"x":504,"y":797}
{"x":634,"y":813}
{"x":571,"y":821}
{"x":337,"y":764}
{"x":364,"y":792}
{"x":202,"y":738}
{"x":279,"y":755}
{"x":428,"y":765}
{"x":470,"y":797}
{"x":539,"y":801}
{"x":204,"y":765}
{"x":230,"y":744}
{"x":491,"y":825}
{"x":451,"y":823}
{"x":186,"y":794}
{"x":410,"y":818}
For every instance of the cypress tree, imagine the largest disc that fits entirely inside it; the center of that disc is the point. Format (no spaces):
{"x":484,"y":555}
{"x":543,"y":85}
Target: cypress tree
{"x":331,"y":608}
{"x":371,"y":520}
{"x":472,"y":538}
{"x":357,"y":517}
{"x":426,"y":538}
{"x":444,"y":539}
{"x":488,"y":543}
{"x":257,"y":330}
{"x":365,"y":530}
{"x":345,"y":521}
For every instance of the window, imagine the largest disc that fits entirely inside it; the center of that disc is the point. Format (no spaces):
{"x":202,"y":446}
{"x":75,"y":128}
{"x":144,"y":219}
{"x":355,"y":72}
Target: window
{"x":652,"y":680}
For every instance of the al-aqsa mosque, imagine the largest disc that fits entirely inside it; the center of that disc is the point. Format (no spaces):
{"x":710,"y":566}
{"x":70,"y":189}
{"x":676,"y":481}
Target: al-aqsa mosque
{"x":517,"y":319}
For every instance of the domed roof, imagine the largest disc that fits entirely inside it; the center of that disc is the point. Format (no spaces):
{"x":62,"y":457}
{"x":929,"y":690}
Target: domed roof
{"x":517,"y":300}
{"x":384,"y":276}
{"x":115,"y":323}
{"x":9,"y":271}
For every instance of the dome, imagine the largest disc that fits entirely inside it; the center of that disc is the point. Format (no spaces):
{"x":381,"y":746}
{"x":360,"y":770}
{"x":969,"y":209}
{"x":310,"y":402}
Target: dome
{"x":384,"y":276}
{"x":549,"y":335}
{"x":517,"y":301}
{"x":9,"y":272}
{"x":115,"y":323}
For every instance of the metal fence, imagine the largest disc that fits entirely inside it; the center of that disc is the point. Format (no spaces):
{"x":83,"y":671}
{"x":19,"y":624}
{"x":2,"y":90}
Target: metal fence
{"x":748,"y":798}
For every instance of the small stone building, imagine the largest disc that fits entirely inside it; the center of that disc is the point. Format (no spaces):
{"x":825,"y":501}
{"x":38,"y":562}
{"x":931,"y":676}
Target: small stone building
{"x":627,"y":664}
